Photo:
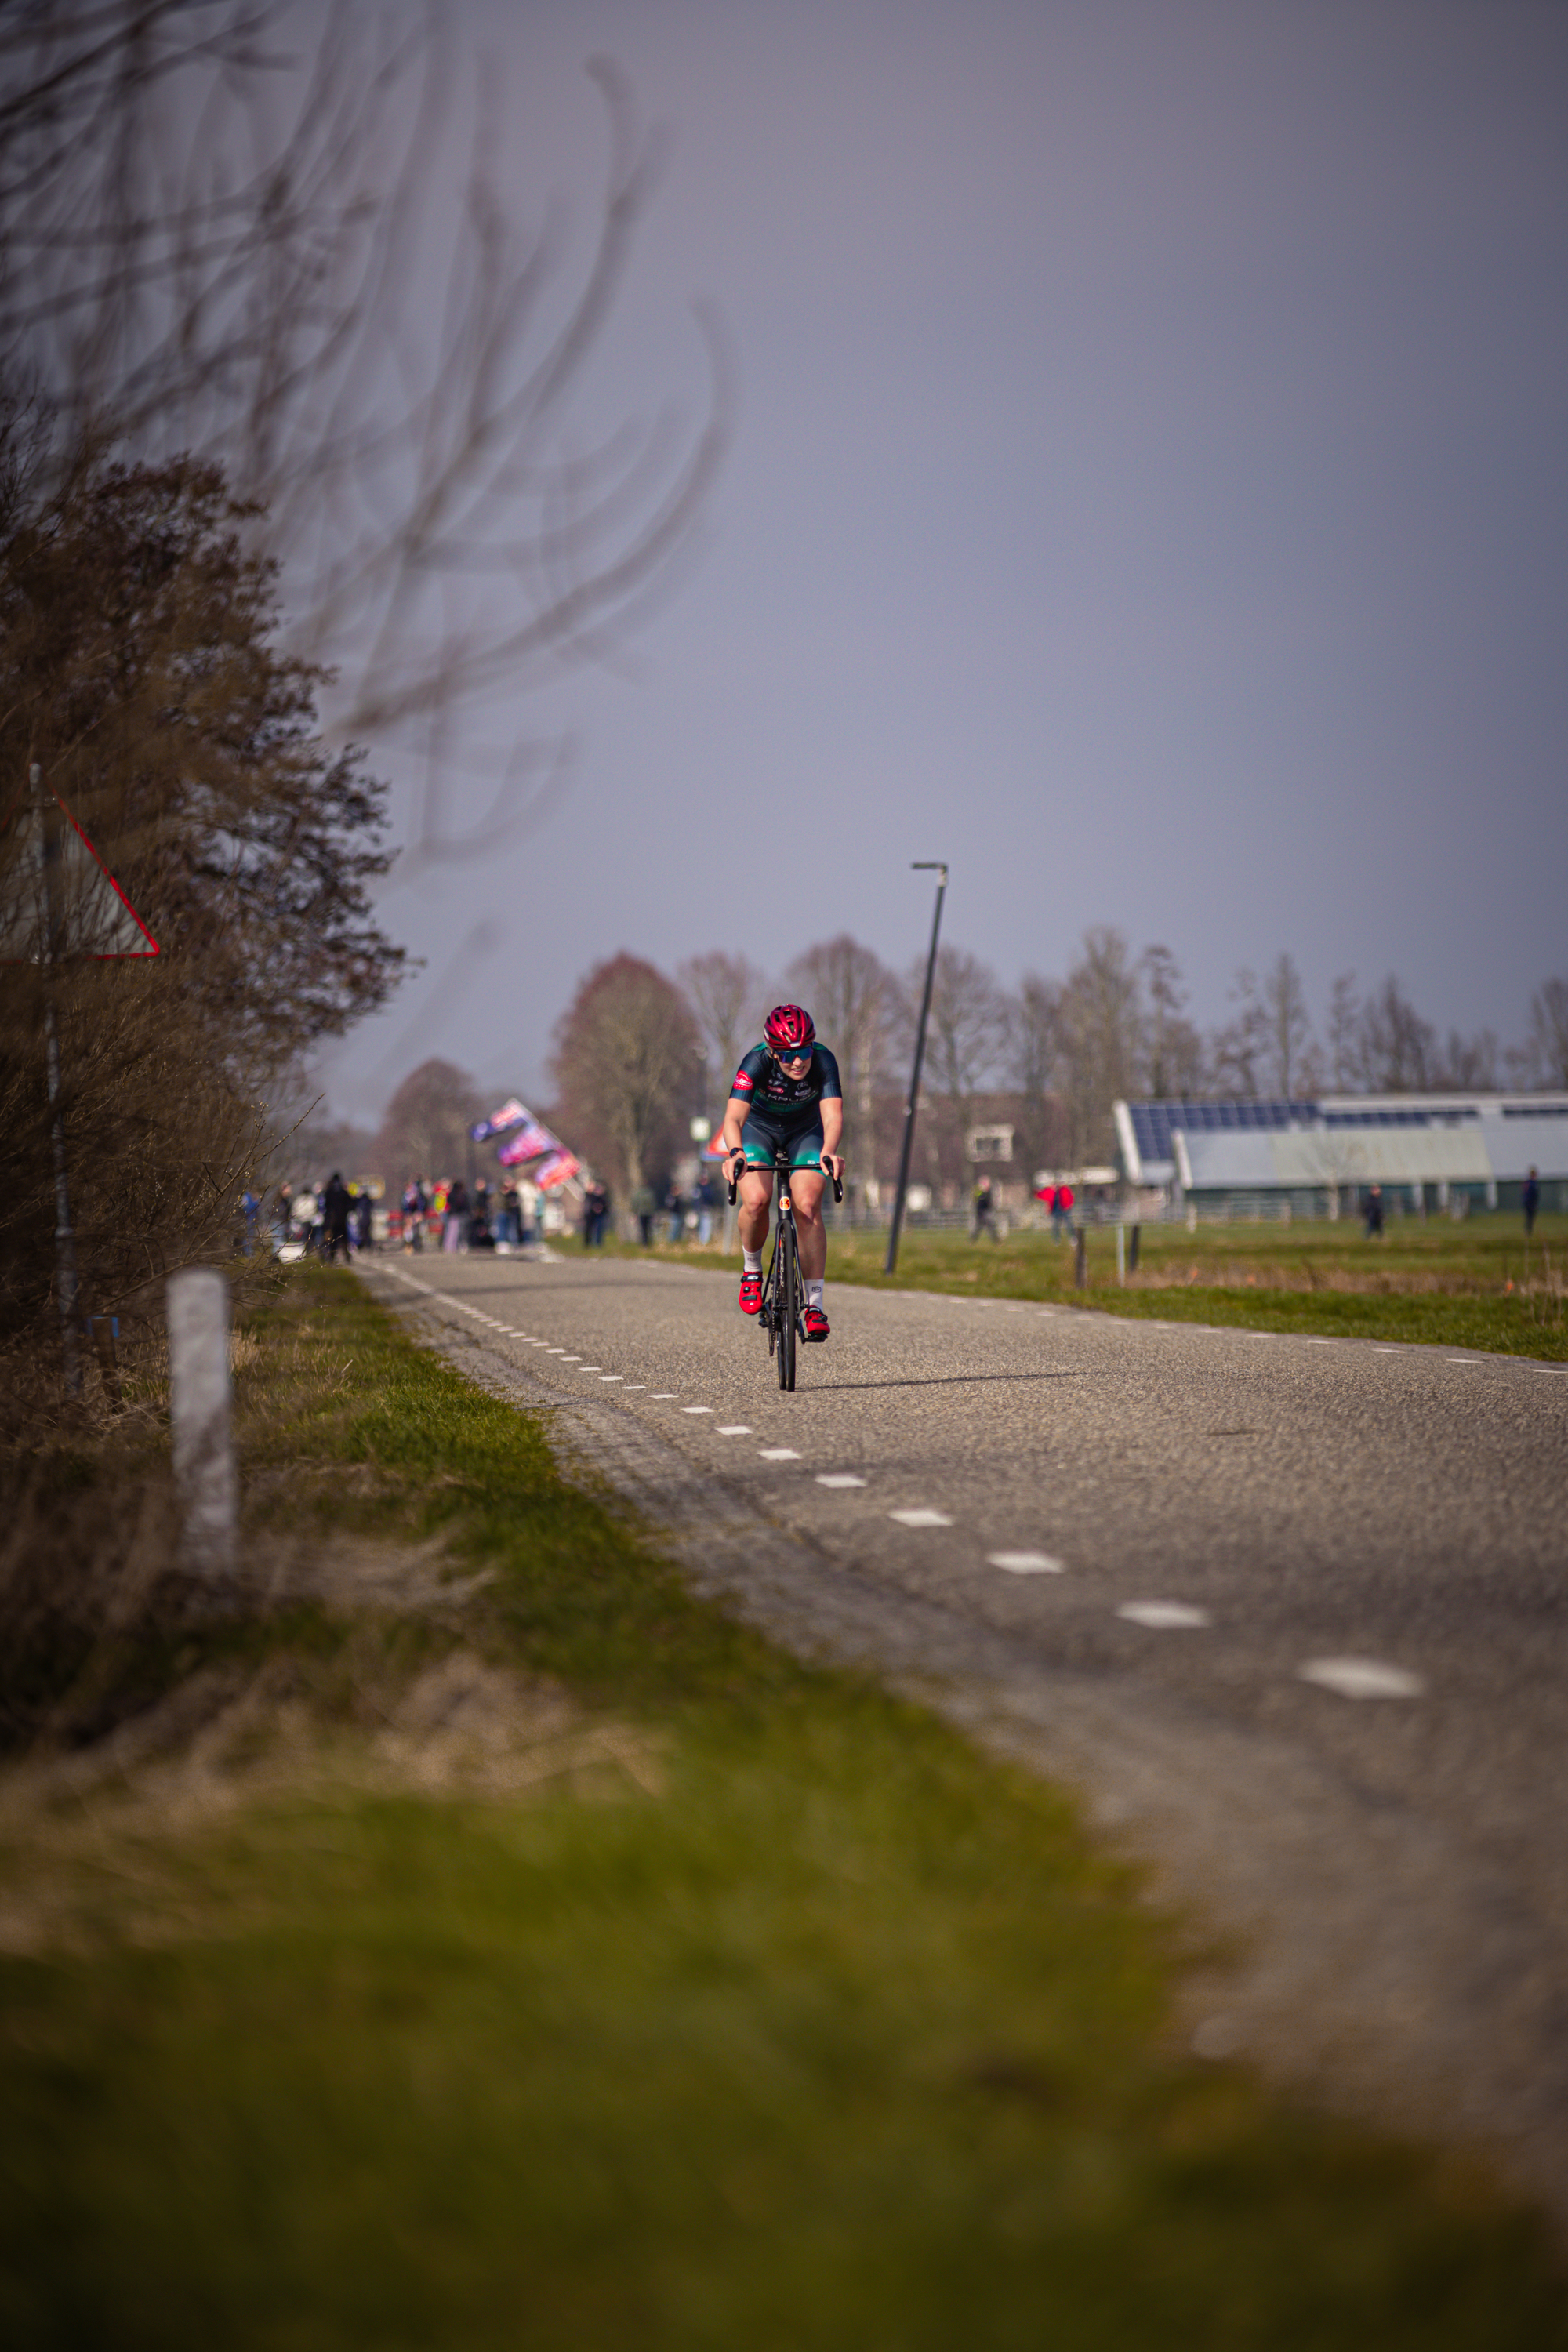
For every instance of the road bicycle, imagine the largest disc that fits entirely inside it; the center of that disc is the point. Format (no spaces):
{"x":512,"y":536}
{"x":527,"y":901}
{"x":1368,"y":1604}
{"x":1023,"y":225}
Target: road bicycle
{"x":782,"y":1309}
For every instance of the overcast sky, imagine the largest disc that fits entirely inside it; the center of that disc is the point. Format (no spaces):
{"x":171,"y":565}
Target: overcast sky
{"x":1147,"y":492}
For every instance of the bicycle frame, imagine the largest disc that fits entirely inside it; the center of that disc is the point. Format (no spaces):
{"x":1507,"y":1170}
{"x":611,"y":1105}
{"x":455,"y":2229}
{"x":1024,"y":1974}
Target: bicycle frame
{"x":783,"y":1311}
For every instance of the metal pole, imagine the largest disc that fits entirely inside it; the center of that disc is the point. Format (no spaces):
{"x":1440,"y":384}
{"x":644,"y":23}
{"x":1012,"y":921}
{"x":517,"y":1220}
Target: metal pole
{"x":65,"y":1237}
{"x":920,"y":866}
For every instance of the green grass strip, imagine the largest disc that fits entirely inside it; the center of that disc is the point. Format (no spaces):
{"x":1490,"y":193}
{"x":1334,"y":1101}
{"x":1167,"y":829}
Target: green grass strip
{"x":844,"y":2036}
{"x":1467,"y":1284}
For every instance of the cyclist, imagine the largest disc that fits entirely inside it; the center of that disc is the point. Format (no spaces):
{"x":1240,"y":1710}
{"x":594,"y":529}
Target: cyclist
{"x":785,"y":1096}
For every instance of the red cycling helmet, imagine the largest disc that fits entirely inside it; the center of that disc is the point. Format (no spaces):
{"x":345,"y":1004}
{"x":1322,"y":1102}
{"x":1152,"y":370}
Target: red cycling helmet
{"x":789,"y":1031}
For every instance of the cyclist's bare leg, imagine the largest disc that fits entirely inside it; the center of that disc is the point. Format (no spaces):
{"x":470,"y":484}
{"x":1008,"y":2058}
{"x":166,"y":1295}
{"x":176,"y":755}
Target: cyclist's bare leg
{"x":806,"y":1191}
{"x":756,"y":1192}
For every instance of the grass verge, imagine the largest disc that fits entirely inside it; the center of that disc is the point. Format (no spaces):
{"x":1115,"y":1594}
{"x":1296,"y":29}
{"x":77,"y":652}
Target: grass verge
{"x":1468,"y":1285}
{"x":817,"y":2027}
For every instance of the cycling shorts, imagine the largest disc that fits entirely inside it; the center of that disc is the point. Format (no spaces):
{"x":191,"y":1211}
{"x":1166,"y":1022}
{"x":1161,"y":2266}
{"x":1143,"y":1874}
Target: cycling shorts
{"x":761,"y":1139}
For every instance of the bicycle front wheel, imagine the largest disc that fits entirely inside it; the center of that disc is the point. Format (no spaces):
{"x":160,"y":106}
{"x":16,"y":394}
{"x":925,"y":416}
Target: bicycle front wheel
{"x":786,"y":1304}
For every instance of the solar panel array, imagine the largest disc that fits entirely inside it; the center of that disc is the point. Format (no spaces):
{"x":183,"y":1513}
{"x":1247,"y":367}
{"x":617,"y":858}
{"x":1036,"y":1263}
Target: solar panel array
{"x":1155,"y":1122}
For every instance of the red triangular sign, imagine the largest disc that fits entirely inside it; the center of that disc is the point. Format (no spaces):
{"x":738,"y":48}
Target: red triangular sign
{"x":92,"y":915}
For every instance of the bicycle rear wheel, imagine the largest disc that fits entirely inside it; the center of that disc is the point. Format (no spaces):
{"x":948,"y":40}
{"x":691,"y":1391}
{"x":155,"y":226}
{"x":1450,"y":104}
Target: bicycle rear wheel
{"x":786,"y":1301}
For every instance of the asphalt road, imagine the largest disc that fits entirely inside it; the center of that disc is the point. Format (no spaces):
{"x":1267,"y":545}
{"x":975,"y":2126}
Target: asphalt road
{"x":1290,"y":1613}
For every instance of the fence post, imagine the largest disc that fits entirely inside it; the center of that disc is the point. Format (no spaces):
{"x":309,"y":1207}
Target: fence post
{"x":199,"y":1410}
{"x":1080,"y":1260}
{"x":1121,"y":1254}
{"x":1133,"y":1241}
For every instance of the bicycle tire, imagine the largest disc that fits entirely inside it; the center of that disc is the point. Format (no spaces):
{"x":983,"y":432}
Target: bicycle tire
{"x":787,"y":1302}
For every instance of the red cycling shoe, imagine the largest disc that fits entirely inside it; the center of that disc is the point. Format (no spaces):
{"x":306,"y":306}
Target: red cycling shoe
{"x":751,"y":1293}
{"x":816,"y":1323}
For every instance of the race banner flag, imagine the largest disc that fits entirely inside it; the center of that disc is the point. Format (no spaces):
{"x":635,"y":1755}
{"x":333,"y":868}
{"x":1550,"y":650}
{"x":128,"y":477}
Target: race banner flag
{"x":510,"y":1114}
{"x":558,"y":1169}
{"x":533,"y":1141}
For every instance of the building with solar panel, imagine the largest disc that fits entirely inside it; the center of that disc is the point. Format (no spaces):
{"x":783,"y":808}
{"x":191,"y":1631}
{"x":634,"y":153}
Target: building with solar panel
{"x":1449,"y":1151}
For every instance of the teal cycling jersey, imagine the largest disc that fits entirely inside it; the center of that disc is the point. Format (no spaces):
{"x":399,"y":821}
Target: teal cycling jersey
{"x":769,"y":1094}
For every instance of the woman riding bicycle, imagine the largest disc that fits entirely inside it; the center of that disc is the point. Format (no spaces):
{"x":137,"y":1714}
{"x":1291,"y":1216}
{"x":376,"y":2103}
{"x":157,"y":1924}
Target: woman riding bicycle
{"x":785,"y":1096}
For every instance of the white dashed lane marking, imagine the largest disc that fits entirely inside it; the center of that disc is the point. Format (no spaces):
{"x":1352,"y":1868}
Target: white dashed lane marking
{"x":838,"y":1478}
{"x":1361,"y":1678}
{"x":779,"y":1454}
{"x":695,"y":1408}
{"x":920,"y":1518}
{"x":612,"y":1376}
{"x":662,"y":1396}
{"x":734,"y":1429}
{"x":1162,"y":1616}
{"x":1026,"y":1563}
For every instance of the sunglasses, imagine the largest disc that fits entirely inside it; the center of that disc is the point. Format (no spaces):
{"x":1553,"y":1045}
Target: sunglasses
{"x":793,"y":1053}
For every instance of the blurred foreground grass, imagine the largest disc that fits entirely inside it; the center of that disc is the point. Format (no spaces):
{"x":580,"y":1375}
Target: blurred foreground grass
{"x":1467,"y":1284}
{"x":763,"y":2012}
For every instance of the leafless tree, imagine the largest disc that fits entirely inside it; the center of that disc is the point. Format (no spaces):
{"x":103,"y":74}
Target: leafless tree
{"x":1241,"y":1049}
{"x":1398,"y":1049}
{"x":1549,"y":1033}
{"x":727,"y":995}
{"x":627,"y":1069}
{"x":425,"y":1129}
{"x":219,"y":233}
{"x":1102,"y":1011}
{"x":1344,"y":1033}
{"x":1290,"y":1023}
{"x":1174,"y":1048}
{"x":852,"y":997}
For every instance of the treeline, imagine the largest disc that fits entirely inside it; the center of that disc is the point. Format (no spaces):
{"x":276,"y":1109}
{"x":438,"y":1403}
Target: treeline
{"x":638,"y":1054}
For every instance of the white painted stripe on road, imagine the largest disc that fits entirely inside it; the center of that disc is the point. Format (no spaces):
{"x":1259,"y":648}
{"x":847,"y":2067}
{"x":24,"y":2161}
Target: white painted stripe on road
{"x":1361,"y":1678}
{"x":1461,"y":1359}
{"x":779,"y":1454}
{"x":612,"y":1376}
{"x":1163,"y":1616}
{"x":734,"y":1429}
{"x":635,"y":1384}
{"x":695,"y":1408}
{"x":587,"y":1368}
{"x":1316,"y":1343}
{"x":920,"y":1518}
{"x":1026,"y":1563}
{"x":838,"y":1478}
{"x":662,"y":1396}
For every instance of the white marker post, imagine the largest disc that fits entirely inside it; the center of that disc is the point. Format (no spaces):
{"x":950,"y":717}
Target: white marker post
{"x":199,"y":1406}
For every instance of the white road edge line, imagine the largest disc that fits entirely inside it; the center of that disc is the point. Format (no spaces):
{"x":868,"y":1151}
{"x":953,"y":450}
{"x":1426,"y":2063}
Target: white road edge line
{"x":920,"y":1518}
{"x":1361,"y":1678}
{"x":1163,"y":1616}
{"x":1026,"y":1563}
{"x":778,"y":1453}
{"x":838,"y":1478}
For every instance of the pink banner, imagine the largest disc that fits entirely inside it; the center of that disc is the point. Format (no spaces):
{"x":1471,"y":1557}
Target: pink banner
{"x":556,"y":1171}
{"x":533,"y":1141}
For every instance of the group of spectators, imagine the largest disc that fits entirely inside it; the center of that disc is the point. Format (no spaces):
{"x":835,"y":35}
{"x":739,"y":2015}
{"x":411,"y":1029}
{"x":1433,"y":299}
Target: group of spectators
{"x":325,"y":1218}
{"x":447,"y":1213}
{"x":684,"y":1212}
{"x":1057,"y":1200}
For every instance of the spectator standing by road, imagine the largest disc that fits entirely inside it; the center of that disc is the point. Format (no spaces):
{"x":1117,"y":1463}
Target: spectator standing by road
{"x":1529,"y":1201}
{"x":706,"y":1202}
{"x":361,"y":1228}
{"x":335,"y":1217}
{"x":985,"y":1211}
{"x":1372,"y":1211}
{"x":414,"y":1207}
{"x":643,"y":1206}
{"x":1061,"y":1212}
{"x":455,"y":1228}
{"x":675,"y":1201}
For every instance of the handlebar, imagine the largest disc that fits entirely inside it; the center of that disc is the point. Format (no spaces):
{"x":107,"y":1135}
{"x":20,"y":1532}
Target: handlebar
{"x":780,"y":1167}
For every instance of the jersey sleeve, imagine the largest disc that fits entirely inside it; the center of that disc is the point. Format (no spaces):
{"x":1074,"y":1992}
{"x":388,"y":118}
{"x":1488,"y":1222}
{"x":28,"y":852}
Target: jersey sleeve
{"x":831,"y":1089}
{"x":745,"y":1080}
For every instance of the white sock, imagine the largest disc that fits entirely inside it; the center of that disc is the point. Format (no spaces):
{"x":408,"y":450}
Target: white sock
{"x":814,"y":1291}
{"x":751,"y":1260}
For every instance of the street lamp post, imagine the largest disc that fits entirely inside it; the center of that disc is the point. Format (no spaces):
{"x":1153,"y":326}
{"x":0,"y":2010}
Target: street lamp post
{"x":919,"y":865}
